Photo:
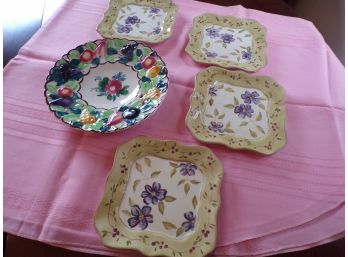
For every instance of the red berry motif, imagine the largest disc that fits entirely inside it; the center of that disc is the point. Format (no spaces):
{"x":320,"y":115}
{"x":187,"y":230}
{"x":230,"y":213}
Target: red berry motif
{"x":148,"y":62}
{"x":113,"y":87}
{"x":65,"y":92}
{"x":86,"y":56}
{"x":115,"y":119}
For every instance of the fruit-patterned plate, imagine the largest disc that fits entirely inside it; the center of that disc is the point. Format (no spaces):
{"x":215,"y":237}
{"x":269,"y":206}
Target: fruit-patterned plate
{"x":237,"y":110}
{"x":161,"y":198}
{"x":144,"y":20}
{"x":228,"y":42}
{"x":106,"y":85}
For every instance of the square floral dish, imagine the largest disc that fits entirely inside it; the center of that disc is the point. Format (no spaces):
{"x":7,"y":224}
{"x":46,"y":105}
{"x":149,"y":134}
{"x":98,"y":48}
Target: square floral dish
{"x":161,"y":198}
{"x":228,"y":42}
{"x":237,"y":110}
{"x":144,"y":20}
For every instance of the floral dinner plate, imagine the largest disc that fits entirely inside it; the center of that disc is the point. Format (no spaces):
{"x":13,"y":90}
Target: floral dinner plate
{"x":161,"y":198}
{"x":228,"y":42}
{"x":106,"y":85}
{"x":144,"y":20}
{"x":237,"y":110}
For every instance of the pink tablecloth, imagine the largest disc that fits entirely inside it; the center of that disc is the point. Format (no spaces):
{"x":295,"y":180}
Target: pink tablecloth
{"x":54,"y":175}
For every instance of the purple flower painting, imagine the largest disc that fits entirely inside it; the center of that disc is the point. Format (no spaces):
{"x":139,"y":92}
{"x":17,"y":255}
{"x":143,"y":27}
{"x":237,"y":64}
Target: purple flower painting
{"x":189,"y":224}
{"x":227,"y":38}
{"x":141,"y":217}
{"x":216,"y":127}
{"x":153,"y":194}
{"x":250,"y":97}
{"x":244,"y":110}
{"x":187,"y":169}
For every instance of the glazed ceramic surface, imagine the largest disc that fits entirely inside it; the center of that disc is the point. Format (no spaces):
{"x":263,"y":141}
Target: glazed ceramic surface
{"x":144,"y":20}
{"x":106,"y":85}
{"x":228,"y":42}
{"x":161,"y":198}
{"x":237,"y":110}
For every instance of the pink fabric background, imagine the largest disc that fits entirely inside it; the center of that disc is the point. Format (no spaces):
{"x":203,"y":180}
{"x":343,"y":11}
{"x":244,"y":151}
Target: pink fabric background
{"x":54,"y":175}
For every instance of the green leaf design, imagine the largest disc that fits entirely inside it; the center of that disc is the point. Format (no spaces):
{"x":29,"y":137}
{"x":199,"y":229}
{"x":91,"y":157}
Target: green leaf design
{"x":181,"y":181}
{"x":216,"y":112}
{"x":187,"y":188}
{"x":229,"y":89}
{"x":194,"y":202}
{"x":82,"y":66}
{"x":228,"y":130}
{"x":252,"y":133}
{"x":260,"y":129}
{"x":51,"y":87}
{"x":57,"y":108}
{"x":155,"y":173}
{"x":195,"y":182}
{"x":138,"y":167}
{"x":207,"y":45}
{"x":147,"y":161}
{"x":74,"y":54}
{"x":229,"y":106}
{"x":221,"y":116}
{"x":168,"y":225}
{"x":211,"y":101}
{"x":126,"y":212}
{"x":173,"y":172}
{"x":228,"y":125}
{"x":110,"y":58}
{"x":161,"y":207}
{"x":179,"y":231}
{"x":209,"y":116}
{"x":259,"y":117}
{"x":262,"y":106}
{"x":243,"y":123}
{"x":130,"y":202}
{"x":135,"y":184}
{"x":128,"y":242}
{"x":73,"y":84}
{"x":71,"y":117}
{"x":169,"y":198}
{"x":236,"y":102}
{"x":91,"y":46}
{"x":173,"y":164}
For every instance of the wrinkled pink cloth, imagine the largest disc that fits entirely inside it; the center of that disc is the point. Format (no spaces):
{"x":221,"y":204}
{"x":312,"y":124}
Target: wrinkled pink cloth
{"x":54,"y":175}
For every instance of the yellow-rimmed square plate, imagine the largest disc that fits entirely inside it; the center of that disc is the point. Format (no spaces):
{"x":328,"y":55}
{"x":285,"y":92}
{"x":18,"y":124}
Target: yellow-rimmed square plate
{"x":161,"y":198}
{"x":144,"y":20}
{"x":228,"y":42}
{"x":237,"y":110}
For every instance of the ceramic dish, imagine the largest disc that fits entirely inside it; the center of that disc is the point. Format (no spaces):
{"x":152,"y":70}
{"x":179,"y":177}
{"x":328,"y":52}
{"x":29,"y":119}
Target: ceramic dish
{"x":161,"y":198}
{"x":228,"y":42}
{"x":106,"y":85}
{"x":144,"y":20}
{"x":237,"y":110}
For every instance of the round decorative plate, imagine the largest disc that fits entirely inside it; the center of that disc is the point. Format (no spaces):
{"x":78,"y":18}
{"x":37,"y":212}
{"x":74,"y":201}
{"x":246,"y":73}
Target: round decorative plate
{"x":106,"y":85}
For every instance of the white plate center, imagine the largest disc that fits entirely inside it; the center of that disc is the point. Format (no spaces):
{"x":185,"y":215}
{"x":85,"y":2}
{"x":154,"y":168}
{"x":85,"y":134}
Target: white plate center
{"x":110,"y":85}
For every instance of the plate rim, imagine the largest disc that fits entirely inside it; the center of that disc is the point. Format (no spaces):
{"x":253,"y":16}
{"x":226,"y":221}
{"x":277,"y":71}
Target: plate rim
{"x":224,"y":139}
{"x":195,"y":39}
{"x":64,"y":56}
{"x":169,"y":21}
{"x":215,"y":177}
